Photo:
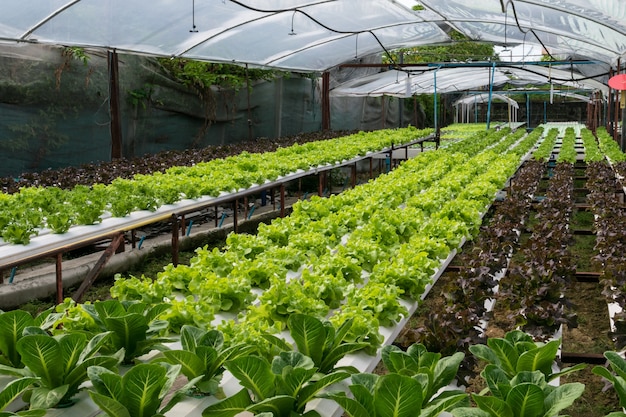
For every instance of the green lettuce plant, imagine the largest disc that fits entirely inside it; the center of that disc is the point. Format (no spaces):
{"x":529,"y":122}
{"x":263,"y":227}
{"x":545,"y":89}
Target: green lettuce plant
{"x":527,"y":394}
{"x":281,"y":388}
{"x":12,"y":325}
{"x":320,"y":341}
{"x":140,"y":392}
{"x":617,"y":378}
{"x":134,"y":326}
{"x":12,"y":391}
{"x":434,"y":372}
{"x":392,"y":394}
{"x":517,"y":352}
{"x":59,"y":364}
{"x":203,"y":355}
{"x":88,"y":203}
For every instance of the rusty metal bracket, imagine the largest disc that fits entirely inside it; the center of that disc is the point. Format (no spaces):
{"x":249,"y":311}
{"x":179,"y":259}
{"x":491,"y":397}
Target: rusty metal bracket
{"x":92,"y":276}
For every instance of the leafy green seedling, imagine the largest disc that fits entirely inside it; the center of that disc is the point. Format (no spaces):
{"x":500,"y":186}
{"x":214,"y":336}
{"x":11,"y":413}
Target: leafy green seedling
{"x":617,"y":378}
{"x":203,"y":355}
{"x":517,"y":352}
{"x":320,"y":341}
{"x":433,"y":371}
{"x":391,"y":395}
{"x":526,"y":395}
{"x":12,"y":391}
{"x":282,"y":388}
{"x":139,"y":393}
{"x":135,"y":326}
{"x":59,"y":364}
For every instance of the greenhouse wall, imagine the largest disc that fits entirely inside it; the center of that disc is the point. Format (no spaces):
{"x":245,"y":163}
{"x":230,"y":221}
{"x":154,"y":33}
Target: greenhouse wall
{"x":54,"y":109}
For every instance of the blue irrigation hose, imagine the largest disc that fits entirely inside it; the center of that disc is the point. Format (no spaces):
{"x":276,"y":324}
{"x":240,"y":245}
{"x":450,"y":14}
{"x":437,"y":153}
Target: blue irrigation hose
{"x":189,"y":227}
{"x":13,"y":271}
{"x":251,"y":211}
{"x":141,"y":242}
{"x":222,"y":219}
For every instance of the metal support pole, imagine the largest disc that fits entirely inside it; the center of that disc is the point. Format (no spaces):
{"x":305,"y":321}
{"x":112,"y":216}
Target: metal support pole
{"x":623,"y":139}
{"x":610,"y":105}
{"x":326,"y":101}
{"x":527,"y":111}
{"x":320,"y":185}
{"x":282,"y":200}
{"x":59,"y":277}
{"x":436,"y":105}
{"x":493,"y":72}
{"x":175,"y":227}
{"x":235,"y":207}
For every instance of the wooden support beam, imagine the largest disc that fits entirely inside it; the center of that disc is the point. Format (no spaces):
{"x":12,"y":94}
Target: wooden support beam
{"x":92,"y":276}
{"x":114,"y":106}
{"x":591,"y":358}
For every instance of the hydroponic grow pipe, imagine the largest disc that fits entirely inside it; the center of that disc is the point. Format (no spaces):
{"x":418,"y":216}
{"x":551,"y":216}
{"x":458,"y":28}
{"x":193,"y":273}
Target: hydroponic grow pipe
{"x":83,"y":235}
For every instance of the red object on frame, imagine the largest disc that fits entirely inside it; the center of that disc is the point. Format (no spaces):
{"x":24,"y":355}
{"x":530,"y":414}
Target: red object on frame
{"x":618,"y":82}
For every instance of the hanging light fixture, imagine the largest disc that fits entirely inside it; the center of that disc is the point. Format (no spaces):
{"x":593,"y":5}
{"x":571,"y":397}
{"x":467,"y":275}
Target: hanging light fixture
{"x":193,"y":17}
{"x":293,"y":16}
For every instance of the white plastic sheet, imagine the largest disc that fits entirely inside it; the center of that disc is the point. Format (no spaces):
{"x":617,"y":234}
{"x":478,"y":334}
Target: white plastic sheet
{"x":313,"y":35}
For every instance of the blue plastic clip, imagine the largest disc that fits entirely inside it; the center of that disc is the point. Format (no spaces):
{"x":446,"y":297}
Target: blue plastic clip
{"x":189,"y":227}
{"x":251,"y":211}
{"x":13,"y":271}
{"x":141,"y":242}
{"x":222,"y":219}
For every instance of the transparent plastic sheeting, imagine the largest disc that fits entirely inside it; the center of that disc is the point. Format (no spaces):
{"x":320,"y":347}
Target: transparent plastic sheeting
{"x":484,"y":98}
{"x":593,"y":29}
{"x":290,"y":34}
{"x":313,"y":35}
{"x":420,"y":80}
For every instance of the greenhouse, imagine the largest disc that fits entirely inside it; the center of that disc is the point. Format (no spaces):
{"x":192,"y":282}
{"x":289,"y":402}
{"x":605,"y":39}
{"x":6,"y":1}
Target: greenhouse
{"x":363,"y":208}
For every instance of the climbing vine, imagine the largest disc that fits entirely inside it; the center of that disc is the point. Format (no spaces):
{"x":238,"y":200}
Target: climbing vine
{"x":461,"y":49}
{"x":70,"y":54}
{"x":209,"y":80}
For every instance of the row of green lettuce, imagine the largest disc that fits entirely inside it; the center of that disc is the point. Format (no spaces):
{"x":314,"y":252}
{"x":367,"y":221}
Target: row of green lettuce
{"x":24,"y":214}
{"x":517,"y":372}
{"x":350,"y":258}
{"x":356,"y":253}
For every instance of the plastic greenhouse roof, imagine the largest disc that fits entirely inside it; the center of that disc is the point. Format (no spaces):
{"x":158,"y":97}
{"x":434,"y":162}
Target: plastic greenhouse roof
{"x":484,"y":98}
{"x":313,"y":35}
{"x":398,"y":83}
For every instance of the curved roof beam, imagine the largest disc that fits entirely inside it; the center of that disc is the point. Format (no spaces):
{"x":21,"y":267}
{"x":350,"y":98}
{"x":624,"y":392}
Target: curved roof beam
{"x":48,"y":18}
